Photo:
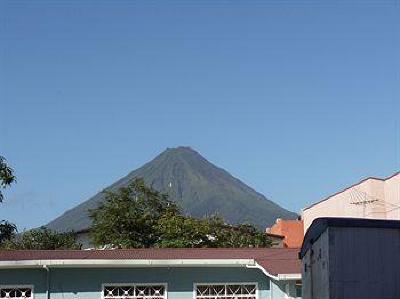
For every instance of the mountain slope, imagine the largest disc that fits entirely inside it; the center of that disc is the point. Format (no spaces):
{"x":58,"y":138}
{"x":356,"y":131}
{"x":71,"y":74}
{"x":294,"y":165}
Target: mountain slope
{"x":197,"y":185}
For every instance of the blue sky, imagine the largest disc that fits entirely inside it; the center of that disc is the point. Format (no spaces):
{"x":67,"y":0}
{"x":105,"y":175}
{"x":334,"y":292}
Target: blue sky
{"x":296,"y":98}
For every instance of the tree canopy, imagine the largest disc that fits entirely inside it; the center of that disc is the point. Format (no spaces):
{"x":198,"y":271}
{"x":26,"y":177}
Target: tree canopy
{"x":128,"y":217}
{"x":7,"y":231}
{"x":7,"y":176}
{"x":137,"y":216}
{"x":41,"y":239}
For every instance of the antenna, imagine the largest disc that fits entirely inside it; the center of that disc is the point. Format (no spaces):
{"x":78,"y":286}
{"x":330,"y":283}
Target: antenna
{"x":363,"y":199}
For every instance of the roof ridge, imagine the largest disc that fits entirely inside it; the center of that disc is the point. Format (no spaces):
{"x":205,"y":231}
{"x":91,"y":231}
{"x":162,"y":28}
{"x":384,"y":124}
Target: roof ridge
{"x":351,"y":186}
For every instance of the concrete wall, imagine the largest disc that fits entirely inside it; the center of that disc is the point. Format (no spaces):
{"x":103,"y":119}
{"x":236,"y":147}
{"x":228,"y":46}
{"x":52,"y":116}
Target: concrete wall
{"x":392,"y":196}
{"x":353,"y":263}
{"x":87,"y":283}
{"x":284,"y":290}
{"x":384,"y":194}
{"x":364,"y":263}
{"x":315,"y":272}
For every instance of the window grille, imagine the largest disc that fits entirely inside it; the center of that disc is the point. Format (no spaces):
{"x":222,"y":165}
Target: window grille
{"x":298,"y":289}
{"x":15,"y":292}
{"x":226,"y":291}
{"x":134,"y":292}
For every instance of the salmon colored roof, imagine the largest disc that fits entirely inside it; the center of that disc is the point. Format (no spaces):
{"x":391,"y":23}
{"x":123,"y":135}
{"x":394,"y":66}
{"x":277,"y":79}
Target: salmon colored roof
{"x":291,"y":230}
{"x":273,"y":260}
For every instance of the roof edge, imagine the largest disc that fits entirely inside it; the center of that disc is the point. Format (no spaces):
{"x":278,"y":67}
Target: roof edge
{"x":145,"y":263}
{"x":319,"y":225}
{"x":353,"y":185}
{"x":279,"y":276}
{"x":111,"y":263}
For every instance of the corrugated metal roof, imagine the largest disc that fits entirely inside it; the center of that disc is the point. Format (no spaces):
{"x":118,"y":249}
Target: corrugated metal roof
{"x":273,"y":260}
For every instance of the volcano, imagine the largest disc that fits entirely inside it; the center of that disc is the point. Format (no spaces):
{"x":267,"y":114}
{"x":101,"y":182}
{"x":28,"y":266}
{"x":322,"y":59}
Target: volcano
{"x":198,"y":186}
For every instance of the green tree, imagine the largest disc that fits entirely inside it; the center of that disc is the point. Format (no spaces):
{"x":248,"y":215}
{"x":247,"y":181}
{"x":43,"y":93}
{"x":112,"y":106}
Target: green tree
{"x":138,"y":216}
{"x":242,"y":235}
{"x":42,"y":239}
{"x":187,"y":232}
{"x":6,"y":176}
{"x":178,"y":231}
{"x":7,"y":231}
{"x":128,"y":217}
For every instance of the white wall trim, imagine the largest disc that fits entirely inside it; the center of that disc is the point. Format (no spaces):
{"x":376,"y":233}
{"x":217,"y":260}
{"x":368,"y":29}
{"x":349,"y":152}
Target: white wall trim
{"x":289,"y":276}
{"x":121,"y":263}
{"x":126,"y":263}
{"x":295,"y":276}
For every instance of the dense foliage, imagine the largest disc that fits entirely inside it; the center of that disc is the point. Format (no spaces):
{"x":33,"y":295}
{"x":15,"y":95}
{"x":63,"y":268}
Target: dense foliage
{"x":137,"y":216}
{"x":182,"y":231}
{"x":128,"y":217}
{"x":34,"y":239}
{"x":41,"y":239}
{"x":6,"y":176}
{"x":7,"y":231}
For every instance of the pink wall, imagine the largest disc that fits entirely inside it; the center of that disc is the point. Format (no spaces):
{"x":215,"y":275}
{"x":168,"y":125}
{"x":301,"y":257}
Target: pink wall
{"x":371,"y":198}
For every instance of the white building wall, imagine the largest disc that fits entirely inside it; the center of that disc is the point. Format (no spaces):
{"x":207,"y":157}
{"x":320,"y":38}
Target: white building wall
{"x":372,"y":198}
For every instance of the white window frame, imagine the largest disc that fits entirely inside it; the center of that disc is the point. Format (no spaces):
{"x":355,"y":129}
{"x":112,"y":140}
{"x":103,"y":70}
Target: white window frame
{"x":19,"y":286}
{"x":224,"y":283}
{"x":134,"y":284}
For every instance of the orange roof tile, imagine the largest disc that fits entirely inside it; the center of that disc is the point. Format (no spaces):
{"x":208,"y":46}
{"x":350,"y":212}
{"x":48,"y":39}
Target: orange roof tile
{"x":292,"y":230}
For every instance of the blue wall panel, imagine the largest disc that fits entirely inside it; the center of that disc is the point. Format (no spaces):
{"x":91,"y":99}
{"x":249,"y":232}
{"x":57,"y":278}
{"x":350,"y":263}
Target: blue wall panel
{"x":70,"y":283}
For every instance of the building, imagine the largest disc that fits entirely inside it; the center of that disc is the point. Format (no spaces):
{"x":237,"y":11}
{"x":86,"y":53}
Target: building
{"x":151,"y":274}
{"x":291,"y":231}
{"x":277,"y":241}
{"x":373,"y":198}
{"x":350,"y":258}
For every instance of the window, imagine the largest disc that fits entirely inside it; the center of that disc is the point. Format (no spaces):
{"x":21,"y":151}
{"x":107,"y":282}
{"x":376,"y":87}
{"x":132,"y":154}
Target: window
{"x":298,"y":289}
{"x":226,"y":291}
{"x":15,"y":292}
{"x":134,"y":291}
